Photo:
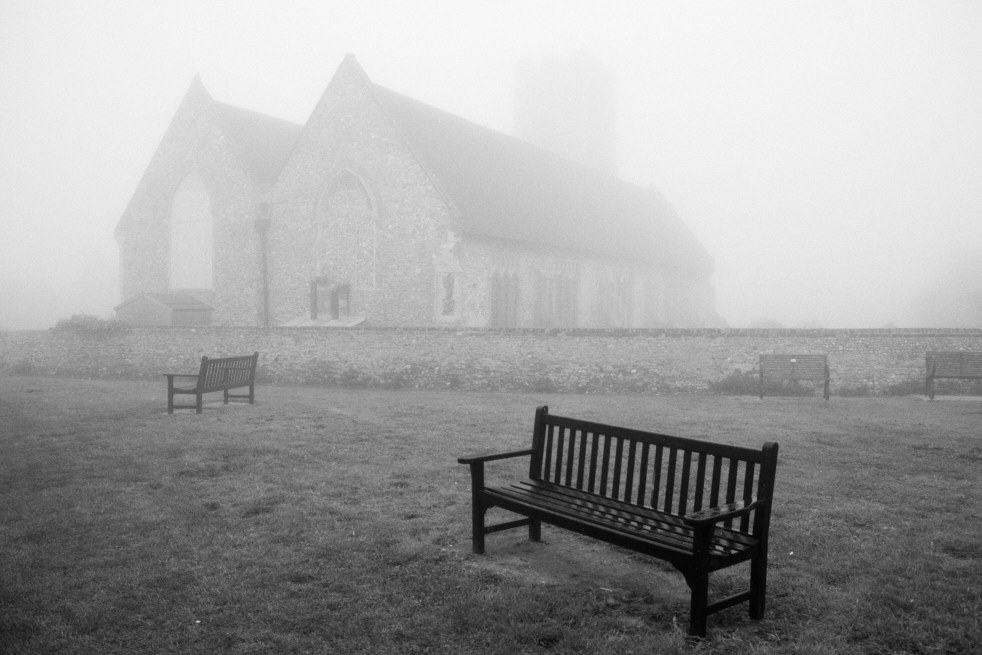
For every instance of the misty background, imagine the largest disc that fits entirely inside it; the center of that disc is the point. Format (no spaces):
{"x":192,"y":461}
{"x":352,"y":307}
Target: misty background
{"x":828,"y":154}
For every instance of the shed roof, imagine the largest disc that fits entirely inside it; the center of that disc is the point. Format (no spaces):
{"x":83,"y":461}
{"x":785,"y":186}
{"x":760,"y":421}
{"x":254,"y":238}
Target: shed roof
{"x":169,"y":300}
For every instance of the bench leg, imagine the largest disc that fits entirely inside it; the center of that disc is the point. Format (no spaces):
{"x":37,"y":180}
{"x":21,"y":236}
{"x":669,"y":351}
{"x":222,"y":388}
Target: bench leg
{"x":198,"y":403}
{"x":226,"y":395}
{"x":535,"y":530}
{"x":758,"y":585}
{"x":478,"y":509}
{"x":477,"y":529}
{"x":698,"y":580}
{"x":252,"y":393}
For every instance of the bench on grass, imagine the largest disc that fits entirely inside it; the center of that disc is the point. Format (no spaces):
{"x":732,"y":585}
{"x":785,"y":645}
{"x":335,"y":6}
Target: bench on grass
{"x":698,"y":505}
{"x":795,"y":368}
{"x":960,"y":365}
{"x":215,"y":374}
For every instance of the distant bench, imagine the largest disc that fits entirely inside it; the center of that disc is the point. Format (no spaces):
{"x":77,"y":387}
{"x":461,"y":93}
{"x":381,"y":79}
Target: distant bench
{"x":794,"y":368}
{"x":960,"y":365}
{"x":215,"y":374}
{"x":700,"y":506}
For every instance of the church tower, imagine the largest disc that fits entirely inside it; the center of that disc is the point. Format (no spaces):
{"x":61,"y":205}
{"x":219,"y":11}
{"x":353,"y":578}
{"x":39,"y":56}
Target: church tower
{"x":567,"y":106}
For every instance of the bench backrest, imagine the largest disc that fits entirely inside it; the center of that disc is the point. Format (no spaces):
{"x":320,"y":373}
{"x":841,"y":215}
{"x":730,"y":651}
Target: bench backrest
{"x":794,"y":367}
{"x":959,"y":364}
{"x":670,"y":474}
{"x":224,"y":372}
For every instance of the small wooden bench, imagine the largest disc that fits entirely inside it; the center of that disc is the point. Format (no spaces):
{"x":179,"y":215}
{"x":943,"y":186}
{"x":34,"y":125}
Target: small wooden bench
{"x":795,"y":368}
{"x":215,"y":374}
{"x":959,"y":365}
{"x":700,"y":506}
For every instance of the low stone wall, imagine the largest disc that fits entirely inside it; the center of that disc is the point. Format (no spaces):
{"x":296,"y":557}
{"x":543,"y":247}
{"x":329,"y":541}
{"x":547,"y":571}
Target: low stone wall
{"x":585,"y":361}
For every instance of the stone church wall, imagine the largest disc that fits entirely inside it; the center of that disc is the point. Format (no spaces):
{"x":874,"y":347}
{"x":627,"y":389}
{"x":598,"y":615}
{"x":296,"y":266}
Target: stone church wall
{"x":349,"y":137}
{"x":397,"y":257}
{"x":584,"y":361}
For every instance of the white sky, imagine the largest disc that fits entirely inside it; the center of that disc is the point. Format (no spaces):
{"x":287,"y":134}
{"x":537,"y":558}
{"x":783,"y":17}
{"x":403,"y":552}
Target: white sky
{"x":827,"y":154}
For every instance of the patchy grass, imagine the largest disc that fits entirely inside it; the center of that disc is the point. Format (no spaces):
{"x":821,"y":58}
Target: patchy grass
{"x":337,"y":520}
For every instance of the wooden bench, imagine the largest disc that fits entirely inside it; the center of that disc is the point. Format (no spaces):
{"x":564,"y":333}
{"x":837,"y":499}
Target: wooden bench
{"x":795,"y":368}
{"x":215,"y":374}
{"x":700,"y":506}
{"x":960,"y":365}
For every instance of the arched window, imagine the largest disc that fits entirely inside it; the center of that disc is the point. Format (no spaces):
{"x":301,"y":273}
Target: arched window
{"x":345,"y":249}
{"x":346,"y":234}
{"x":191,"y":236}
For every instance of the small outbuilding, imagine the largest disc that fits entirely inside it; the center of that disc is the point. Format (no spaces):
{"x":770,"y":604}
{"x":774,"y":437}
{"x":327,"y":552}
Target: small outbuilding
{"x":164,"y":309}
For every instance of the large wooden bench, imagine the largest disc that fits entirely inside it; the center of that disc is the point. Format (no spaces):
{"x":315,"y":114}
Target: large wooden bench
{"x":215,"y":374}
{"x":960,"y":365}
{"x":698,"y":505}
{"x":795,"y":368}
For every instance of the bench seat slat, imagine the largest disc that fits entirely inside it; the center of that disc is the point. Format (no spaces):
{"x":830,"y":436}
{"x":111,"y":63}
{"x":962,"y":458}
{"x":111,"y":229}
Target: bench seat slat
{"x":728,"y":539}
{"x":655,"y":528}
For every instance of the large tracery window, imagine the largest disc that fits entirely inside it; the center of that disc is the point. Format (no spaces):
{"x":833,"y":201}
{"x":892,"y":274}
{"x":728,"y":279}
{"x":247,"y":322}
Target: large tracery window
{"x":346,"y":233}
{"x":192,"y":264}
{"x":345,"y":274}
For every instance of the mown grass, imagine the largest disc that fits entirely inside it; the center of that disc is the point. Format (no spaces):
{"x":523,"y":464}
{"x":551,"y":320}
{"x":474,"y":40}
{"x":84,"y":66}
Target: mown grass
{"x":327,"y":520}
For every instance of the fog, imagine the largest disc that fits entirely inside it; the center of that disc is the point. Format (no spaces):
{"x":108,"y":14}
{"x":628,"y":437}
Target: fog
{"x":828,"y":154}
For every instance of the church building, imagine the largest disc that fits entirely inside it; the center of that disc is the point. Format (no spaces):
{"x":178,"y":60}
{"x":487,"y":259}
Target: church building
{"x":384,"y":211}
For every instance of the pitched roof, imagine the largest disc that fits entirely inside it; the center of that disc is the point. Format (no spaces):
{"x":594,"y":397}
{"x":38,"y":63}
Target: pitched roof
{"x":263,"y":142}
{"x":503,"y":188}
{"x":506,"y":188}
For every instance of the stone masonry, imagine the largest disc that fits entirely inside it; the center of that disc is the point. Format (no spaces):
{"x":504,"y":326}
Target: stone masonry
{"x":583,"y":361}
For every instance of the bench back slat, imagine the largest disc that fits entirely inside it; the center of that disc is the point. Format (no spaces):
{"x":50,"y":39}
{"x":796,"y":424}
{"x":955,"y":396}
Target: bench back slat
{"x":220,"y":373}
{"x":748,"y":483}
{"x":670,"y":474}
{"x":684,"y":484}
{"x":800,"y":367}
{"x":700,"y":480}
{"x":714,"y":486}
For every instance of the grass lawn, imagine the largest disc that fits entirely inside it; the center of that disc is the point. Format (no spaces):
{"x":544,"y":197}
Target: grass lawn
{"x":326,"y":520}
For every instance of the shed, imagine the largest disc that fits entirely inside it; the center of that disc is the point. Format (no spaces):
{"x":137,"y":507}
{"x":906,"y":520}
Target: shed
{"x":164,"y":309}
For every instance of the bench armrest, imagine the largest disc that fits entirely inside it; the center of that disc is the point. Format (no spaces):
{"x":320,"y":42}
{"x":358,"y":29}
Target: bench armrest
{"x":488,"y":457}
{"x":713,"y":515}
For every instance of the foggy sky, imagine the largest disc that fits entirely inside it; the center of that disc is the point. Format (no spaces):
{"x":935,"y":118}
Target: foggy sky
{"x":827,"y":154}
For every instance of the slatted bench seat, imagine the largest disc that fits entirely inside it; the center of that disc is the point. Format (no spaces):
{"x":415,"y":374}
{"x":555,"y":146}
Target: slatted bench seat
{"x":959,"y":365}
{"x":698,"y":505}
{"x":796,"y":368}
{"x":215,"y":374}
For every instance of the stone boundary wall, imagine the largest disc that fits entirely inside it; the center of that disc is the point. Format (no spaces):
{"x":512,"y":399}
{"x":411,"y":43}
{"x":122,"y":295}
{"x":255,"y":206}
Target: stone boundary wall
{"x":586,"y":361}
